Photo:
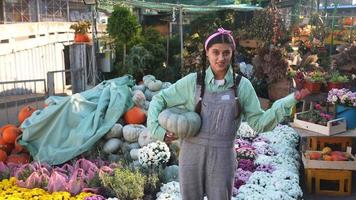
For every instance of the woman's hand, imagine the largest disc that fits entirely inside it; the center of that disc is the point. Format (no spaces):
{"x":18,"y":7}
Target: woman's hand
{"x":301,"y":94}
{"x":169,"y":137}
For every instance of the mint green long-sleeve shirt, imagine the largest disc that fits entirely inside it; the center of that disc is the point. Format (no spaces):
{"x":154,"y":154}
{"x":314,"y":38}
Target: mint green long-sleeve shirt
{"x":182,"y":93}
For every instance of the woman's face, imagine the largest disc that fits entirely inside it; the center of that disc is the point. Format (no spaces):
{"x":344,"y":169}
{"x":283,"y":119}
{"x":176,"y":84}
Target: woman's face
{"x":219,"y":56}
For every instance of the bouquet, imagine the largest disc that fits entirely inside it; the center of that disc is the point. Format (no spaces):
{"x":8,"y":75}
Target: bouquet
{"x":154,"y":154}
{"x":342,"y":96}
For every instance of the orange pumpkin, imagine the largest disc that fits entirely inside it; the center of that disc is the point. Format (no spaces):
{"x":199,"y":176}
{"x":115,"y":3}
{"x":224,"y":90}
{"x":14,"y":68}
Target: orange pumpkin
{"x":10,"y":134}
{"x":135,"y":116}
{"x":6,"y":126}
{"x":315,"y":156}
{"x":327,"y":158}
{"x":25,"y":112}
{"x":5,"y":146}
{"x":21,"y":158}
{"x":3,"y":156}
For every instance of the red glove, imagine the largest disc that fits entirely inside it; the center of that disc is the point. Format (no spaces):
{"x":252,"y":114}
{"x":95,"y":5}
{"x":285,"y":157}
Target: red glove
{"x":301,"y":94}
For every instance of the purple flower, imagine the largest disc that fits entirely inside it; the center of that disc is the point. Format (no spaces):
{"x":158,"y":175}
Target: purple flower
{"x":265,"y":168}
{"x":246,"y":165}
{"x":238,"y":183}
{"x":242,"y":175}
{"x":242,"y":143}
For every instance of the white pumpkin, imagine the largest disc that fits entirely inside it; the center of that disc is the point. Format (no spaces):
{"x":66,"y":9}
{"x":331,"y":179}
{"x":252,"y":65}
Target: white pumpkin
{"x":114,"y":157}
{"x":115,"y":132}
{"x":147,"y":79}
{"x":154,"y":85}
{"x":138,"y":98}
{"x":134,"y":146}
{"x":179,"y":121}
{"x":166,"y":85}
{"x":131,"y":132}
{"x":145,"y":138}
{"x":141,"y":87}
{"x":112,"y":145}
{"x":149,"y":94}
{"x":134,"y":154}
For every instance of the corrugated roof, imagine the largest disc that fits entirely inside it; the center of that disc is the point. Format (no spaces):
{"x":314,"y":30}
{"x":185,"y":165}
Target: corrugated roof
{"x":190,"y":8}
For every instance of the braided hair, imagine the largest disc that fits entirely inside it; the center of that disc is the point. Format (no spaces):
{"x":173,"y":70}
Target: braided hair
{"x":223,"y":38}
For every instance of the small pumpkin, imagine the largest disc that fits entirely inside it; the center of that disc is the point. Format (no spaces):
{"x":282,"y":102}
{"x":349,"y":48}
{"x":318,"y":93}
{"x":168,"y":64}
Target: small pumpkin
{"x":180,"y":121}
{"x":149,"y":94}
{"x":115,"y":132}
{"x":25,"y":112}
{"x":21,"y":158}
{"x":135,"y":116}
{"x":145,"y":138}
{"x":170,"y":173}
{"x":326,"y":150}
{"x":154,"y":85}
{"x":3,"y":156}
{"x":6,"y":126}
{"x":131,"y":132}
{"x":148,"y":78}
{"x":10,"y":134}
{"x":17,"y":147}
{"x":141,"y":87}
{"x":315,"y":156}
{"x":112,"y":145}
{"x":327,"y":158}
{"x":138,"y":98}
{"x":134,"y":154}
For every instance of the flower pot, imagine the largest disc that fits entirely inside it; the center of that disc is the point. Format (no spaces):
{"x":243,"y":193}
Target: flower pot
{"x":332,"y":85}
{"x":313,"y":87}
{"x":78,"y":37}
{"x":349,"y":113}
{"x":279,"y":89}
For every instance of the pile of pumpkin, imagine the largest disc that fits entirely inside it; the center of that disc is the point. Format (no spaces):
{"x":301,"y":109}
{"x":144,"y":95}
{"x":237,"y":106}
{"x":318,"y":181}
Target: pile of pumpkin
{"x":327,"y":154}
{"x":10,"y":150}
{"x":130,"y":134}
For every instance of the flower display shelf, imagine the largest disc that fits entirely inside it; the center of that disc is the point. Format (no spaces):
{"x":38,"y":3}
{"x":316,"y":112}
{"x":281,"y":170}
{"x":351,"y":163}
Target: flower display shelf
{"x":331,"y":127}
{"x":322,"y":164}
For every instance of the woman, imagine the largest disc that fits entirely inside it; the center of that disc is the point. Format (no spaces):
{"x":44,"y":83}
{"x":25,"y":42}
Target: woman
{"x":207,"y":161}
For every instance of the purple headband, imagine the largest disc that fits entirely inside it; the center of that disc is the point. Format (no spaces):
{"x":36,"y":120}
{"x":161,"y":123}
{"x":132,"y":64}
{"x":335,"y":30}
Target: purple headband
{"x":221,"y":31}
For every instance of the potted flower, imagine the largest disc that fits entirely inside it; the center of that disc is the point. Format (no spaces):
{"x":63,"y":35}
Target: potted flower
{"x":345,"y":101}
{"x":81,"y":29}
{"x":336,"y":80}
{"x":270,"y":64}
{"x":314,"y":80}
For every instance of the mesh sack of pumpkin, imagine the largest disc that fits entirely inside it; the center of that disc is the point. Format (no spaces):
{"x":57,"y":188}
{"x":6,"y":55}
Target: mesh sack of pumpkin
{"x":181,"y":122}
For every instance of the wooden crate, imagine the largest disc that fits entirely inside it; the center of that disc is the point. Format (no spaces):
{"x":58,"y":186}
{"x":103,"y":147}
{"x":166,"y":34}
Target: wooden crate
{"x":328,"y":130}
{"x":324,"y":181}
{"x":322,"y":164}
{"x":336,"y":143}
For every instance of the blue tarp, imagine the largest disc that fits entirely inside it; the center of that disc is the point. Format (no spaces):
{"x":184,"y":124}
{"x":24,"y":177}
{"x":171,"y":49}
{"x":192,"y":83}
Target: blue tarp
{"x":71,"y":125}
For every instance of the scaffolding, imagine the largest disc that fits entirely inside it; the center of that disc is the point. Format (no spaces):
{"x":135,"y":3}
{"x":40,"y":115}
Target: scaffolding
{"x":21,"y":11}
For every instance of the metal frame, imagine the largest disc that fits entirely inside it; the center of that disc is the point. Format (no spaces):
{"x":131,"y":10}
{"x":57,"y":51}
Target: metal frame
{"x":38,"y":10}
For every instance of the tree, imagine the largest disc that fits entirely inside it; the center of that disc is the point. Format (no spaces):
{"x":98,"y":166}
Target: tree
{"x":122,"y":26}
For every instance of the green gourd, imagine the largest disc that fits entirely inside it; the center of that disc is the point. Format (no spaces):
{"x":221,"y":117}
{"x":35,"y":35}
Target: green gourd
{"x":170,"y":173}
{"x":180,"y":121}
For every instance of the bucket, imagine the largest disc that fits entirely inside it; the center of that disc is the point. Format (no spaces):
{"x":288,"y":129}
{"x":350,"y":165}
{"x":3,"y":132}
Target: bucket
{"x":349,"y":113}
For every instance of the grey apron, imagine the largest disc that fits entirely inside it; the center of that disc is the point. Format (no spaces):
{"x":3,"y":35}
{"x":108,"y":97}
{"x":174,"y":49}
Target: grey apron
{"x":207,"y":162}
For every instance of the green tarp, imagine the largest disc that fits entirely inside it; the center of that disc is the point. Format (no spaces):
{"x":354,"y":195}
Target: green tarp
{"x":71,"y":125}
